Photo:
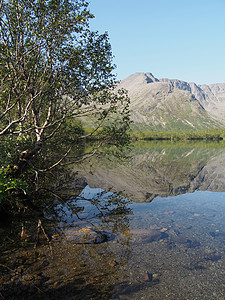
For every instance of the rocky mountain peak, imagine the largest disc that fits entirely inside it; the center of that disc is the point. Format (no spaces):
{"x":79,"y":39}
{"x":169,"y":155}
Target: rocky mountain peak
{"x":150,"y":78}
{"x":137,"y":80}
{"x":172,"y":104}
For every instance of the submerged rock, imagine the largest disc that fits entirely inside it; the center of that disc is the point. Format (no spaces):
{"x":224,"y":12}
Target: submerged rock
{"x":87,"y":235}
{"x":147,"y":235}
{"x":148,"y":277}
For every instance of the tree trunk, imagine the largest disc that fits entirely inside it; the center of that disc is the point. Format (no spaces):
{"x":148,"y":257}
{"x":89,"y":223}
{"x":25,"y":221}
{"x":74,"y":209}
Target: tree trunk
{"x":26,"y":157}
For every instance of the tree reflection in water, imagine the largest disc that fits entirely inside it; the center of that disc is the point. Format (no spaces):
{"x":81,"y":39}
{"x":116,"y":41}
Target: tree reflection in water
{"x":68,"y":267}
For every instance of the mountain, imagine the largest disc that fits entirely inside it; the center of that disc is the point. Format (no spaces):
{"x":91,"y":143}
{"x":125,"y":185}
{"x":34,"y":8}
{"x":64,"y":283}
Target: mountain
{"x":170,"y":104}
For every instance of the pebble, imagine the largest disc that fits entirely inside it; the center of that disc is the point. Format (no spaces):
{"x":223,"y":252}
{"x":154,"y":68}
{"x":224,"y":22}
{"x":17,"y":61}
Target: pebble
{"x":113,"y":263}
{"x":155,"y":276}
{"x":147,"y":277}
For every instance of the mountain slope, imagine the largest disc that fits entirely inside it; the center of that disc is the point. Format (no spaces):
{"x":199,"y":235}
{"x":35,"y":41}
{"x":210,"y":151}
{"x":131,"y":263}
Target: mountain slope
{"x":164,"y":104}
{"x":211,"y":97}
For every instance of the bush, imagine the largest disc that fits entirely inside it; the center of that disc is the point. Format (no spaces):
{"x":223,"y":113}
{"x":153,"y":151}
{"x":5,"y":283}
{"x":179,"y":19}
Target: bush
{"x":8,"y":184}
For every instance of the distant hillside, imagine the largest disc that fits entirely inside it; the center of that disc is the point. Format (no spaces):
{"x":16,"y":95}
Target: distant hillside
{"x":165,"y":104}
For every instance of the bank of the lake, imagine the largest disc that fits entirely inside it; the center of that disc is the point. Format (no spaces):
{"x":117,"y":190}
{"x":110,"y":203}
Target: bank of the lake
{"x":202,"y":135}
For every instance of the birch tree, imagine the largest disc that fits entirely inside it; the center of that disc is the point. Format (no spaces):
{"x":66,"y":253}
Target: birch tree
{"x":53,"y":68}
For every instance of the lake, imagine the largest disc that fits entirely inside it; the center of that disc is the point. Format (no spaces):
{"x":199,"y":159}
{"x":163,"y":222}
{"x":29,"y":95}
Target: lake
{"x":148,"y":227}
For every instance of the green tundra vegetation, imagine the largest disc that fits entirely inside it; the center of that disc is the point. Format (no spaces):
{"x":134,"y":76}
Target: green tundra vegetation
{"x":207,"y":135}
{"x":54,"y":73}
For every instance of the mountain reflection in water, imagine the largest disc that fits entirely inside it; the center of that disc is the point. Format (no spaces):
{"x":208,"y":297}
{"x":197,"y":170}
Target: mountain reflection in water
{"x":156,"y":169}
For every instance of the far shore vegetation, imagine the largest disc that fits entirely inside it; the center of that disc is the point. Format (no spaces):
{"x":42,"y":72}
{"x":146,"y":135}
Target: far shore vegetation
{"x":206,"y":135}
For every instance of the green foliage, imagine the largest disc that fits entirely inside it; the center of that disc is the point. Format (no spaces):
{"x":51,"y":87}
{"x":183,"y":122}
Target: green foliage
{"x":71,"y":130}
{"x":11,"y":148}
{"x":8,"y":184}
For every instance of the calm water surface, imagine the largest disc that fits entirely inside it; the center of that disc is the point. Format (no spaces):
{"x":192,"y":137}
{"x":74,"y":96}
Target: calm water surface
{"x":161,"y":237}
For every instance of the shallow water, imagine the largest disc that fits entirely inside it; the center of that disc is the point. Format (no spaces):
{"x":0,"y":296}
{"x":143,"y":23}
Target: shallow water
{"x":101,"y":245}
{"x":190,"y":260}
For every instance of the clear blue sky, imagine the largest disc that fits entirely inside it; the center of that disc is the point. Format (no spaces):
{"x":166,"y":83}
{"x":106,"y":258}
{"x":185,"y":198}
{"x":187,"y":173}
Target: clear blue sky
{"x":176,"y":39}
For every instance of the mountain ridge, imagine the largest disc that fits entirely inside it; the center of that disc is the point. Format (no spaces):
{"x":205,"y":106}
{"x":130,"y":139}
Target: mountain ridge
{"x":172,"y":104}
